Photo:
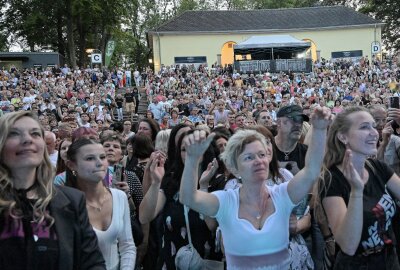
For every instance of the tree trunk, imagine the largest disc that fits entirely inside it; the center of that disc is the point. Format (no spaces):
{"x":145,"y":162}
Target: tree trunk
{"x":70,"y":35}
{"x":60,"y":39}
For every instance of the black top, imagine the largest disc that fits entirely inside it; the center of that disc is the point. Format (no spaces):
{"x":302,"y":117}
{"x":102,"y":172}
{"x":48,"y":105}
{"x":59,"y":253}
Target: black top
{"x":128,"y":97}
{"x":295,"y":160}
{"x":25,"y":244}
{"x":175,"y":235}
{"x":120,"y":102}
{"x":378,"y":206}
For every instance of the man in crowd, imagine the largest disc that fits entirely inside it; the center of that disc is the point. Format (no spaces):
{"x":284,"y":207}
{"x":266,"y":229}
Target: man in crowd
{"x":50,"y":139}
{"x":129,"y":102}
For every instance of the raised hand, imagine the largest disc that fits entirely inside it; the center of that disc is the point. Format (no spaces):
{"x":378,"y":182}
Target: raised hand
{"x":153,"y":156}
{"x":321,"y":117}
{"x":206,"y":176}
{"x":350,"y":173}
{"x":394,"y":114}
{"x":387,"y":131}
{"x":157,"y":170}
{"x":197,"y":143}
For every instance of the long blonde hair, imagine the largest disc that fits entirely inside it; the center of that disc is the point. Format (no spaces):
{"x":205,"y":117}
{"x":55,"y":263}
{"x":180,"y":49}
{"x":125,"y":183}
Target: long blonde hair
{"x":335,"y":150}
{"x":44,"y":176}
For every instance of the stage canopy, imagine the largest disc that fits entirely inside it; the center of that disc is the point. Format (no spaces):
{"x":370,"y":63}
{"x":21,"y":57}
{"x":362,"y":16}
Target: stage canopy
{"x":270,"y":48}
{"x":273,"y":53}
{"x":276,"y":41}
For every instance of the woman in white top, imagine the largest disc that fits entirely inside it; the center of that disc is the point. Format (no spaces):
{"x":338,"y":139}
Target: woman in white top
{"x":108,"y":208}
{"x":254,"y":219}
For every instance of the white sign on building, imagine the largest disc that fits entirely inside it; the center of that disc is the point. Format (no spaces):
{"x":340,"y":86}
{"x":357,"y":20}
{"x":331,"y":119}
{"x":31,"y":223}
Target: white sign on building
{"x":96,"y":58}
{"x":375,"y":47}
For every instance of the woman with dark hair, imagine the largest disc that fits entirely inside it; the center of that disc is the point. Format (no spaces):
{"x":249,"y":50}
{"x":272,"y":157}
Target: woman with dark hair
{"x":108,"y":208}
{"x":174,"y":120}
{"x":176,"y":133}
{"x":149,"y":115}
{"x":165,"y":199}
{"x":41,"y":226}
{"x":62,"y":155}
{"x":139,"y":148}
{"x":61,"y":161}
{"x":156,"y":227}
{"x":148,"y":127}
{"x":338,"y":108}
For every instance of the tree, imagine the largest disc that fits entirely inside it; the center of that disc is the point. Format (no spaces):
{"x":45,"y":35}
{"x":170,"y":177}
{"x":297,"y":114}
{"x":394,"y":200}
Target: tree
{"x":387,"y":11}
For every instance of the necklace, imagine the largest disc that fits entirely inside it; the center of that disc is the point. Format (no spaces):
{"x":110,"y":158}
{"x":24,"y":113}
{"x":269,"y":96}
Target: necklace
{"x":287,"y":155}
{"x":101,"y":202}
{"x":286,"y":158}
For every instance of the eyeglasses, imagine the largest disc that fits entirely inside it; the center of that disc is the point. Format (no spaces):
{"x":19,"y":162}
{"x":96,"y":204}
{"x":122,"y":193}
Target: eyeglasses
{"x":127,"y":124}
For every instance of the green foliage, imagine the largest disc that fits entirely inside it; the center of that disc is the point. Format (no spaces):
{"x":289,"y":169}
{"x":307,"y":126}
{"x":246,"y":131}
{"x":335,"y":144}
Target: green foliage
{"x":387,"y":11}
{"x":71,"y":26}
{"x":3,"y":42}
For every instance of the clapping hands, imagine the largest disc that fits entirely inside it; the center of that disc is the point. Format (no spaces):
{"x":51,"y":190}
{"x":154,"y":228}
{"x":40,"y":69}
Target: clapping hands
{"x":156,"y":166}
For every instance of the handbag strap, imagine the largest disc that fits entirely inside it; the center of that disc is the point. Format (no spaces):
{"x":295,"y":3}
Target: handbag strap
{"x":186,"y":213}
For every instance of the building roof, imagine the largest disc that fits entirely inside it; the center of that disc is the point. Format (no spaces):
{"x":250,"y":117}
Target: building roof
{"x":266,"y":20}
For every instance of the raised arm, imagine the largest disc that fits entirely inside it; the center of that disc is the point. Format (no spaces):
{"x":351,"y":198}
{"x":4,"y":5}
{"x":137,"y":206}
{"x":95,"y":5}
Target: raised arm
{"x":302,"y":182}
{"x":347,"y":222}
{"x":211,"y":111}
{"x":230,"y":107}
{"x":387,"y":131}
{"x":154,"y":199}
{"x":195,"y":145}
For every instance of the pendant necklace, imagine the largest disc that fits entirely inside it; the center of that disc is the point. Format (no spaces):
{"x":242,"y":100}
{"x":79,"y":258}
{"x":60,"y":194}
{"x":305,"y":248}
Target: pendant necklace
{"x":287,"y":155}
{"x":101,"y":202}
{"x":286,"y":158}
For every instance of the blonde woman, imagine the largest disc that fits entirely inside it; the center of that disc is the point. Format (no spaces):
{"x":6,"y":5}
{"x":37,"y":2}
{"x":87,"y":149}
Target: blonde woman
{"x":40,"y":224}
{"x":255,"y":213}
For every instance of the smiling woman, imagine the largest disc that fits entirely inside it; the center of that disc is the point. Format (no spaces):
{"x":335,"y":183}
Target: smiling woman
{"x":39,"y":224}
{"x":358,"y":194}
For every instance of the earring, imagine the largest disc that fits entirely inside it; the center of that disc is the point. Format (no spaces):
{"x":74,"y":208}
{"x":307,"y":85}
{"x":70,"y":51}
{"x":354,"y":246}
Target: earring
{"x":74,"y":173}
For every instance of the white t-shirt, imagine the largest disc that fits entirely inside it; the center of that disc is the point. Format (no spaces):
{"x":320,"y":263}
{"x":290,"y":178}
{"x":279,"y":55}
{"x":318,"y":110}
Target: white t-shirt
{"x":116,"y":243}
{"x":53,"y":158}
{"x":240,"y":236}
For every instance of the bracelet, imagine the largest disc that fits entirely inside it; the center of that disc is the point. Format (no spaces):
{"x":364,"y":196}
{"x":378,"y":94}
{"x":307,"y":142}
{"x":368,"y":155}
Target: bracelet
{"x":358,"y":196}
{"x":204,"y":190}
{"x":330,"y":240}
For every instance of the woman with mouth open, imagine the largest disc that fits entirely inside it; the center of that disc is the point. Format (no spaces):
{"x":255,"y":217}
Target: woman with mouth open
{"x":358,"y":194}
{"x":108,"y":208}
{"x":255,"y":213}
{"x":41,"y":226}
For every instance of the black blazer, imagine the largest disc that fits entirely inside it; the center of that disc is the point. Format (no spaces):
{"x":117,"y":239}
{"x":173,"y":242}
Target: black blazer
{"x":78,"y":248}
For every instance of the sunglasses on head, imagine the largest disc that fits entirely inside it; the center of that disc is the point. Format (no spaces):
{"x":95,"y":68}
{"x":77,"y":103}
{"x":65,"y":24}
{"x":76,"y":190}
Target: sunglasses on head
{"x":296,"y":118}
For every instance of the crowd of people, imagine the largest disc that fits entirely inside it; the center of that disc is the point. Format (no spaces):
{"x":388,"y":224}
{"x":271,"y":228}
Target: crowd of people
{"x":246,"y":171}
